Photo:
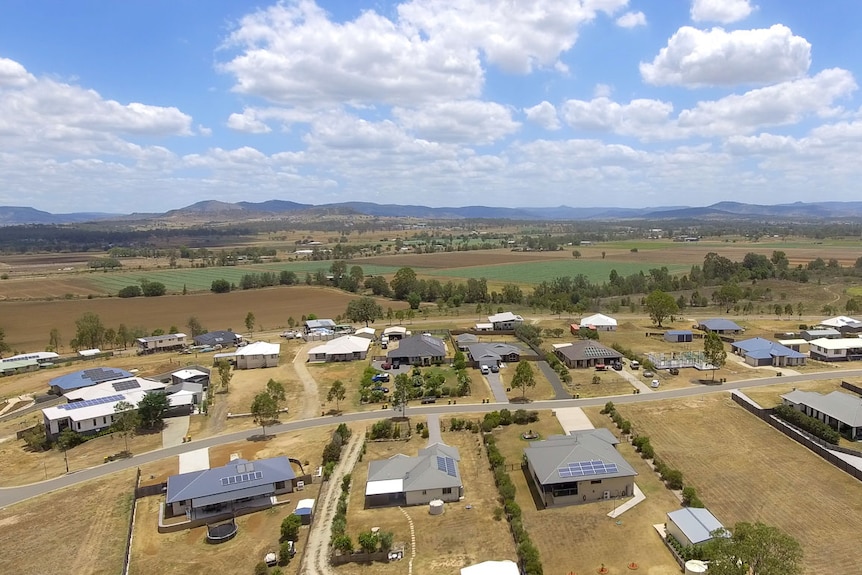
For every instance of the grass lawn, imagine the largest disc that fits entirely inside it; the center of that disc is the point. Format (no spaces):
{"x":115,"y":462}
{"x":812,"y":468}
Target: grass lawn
{"x":539,"y":271}
{"x":80,"y":529}
{"x":444,"y":543}
{"x":746,"y":471}
{"x":580,"y":538}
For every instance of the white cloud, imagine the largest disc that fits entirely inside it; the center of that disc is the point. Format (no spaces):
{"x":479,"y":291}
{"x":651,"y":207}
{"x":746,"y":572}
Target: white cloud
{"x":544,"y":114}
{"x":247,"y":122}
{"x":13,"y":74}
{"x":631,"y":20}
{"x":715,"y":57}
{"x":640,"y":118}
{"x":602,"y":91}
{"x":468,"y":121}
{"x":724,"y":11}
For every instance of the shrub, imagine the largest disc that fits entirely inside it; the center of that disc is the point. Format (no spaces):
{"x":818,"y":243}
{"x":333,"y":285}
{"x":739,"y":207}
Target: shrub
{"x":673,"y":478}
{"x":807,"y":423}
{"x":130,"y":291}
{"x":505,"y":417}
{"x":261,"y":569}
{"x":688,"y":493}
{"x":382,"y":429}
{"x":290,"y":528}
{"x":498,"y":513}
{"x":331,"y":453}
{"x":386,"y":538}
{"x":220,"y":286}
{"x":609,"y":408}
{"x":328,"y":468}
{"x":647,"y":452}
{"x":626,"y":427}
{"x":343,"y":543}
{"x":345,"y":482}
{"x":284,"y":555}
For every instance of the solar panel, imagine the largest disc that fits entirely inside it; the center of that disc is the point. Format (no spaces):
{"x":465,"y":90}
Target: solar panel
{"x":585,"y":468}
{"x":446,"y":465}
{"x":100,"y":374}
{"x":126,"y":385}
{"x":241,"y":478}
{"x":91,"y":402}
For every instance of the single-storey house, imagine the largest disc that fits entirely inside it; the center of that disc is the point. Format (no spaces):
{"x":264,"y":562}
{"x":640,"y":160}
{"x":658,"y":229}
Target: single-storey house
{"x":839,"y":410}
{"x":190,"y":375}
{"x":367,"y":332}
{"x":396,"y":332}
{"x":720,"y":326}
{"x":692,"y":525}
{"x":484,"y":326}
{"x":493,"y":353}
{"x":826,"y":333}
{"x":841,"y":322}
{"x":420,"y":349}
{"x":345,"y":348}
{"x":462,"y":340}
{"x":257,"y":354}
{"x":505,"y":567}
{"x":39,"y":357}
{"x":843,"y":349}
{"x":505,"y":321}
{"x":403,"y":480}
{"x":113,"y":387}
{"x":164,"y":342}
{"x":579,"y":468}
{"x":240,"y":483}
{"x":326,"y":325}
{"x":86,"y":378}
{"x":19,"y":366}
{"x":758,"y":351}
{"x":586,"y":353}
{"x":678,"y":336}
{"x":224,"y":338}
{"x":599,"y":322}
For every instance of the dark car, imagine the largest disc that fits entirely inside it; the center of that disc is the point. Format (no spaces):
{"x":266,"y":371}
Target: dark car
{"x":383,"y":389}
{"x":618,"y":366}
{"x":495,"y":368}
{"x":673,"y":371}
{"x":429,"y":400}
{"x":386,"y":365}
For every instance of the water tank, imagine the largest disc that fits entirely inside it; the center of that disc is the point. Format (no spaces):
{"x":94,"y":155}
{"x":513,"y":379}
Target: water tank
{"x":435,"y":507}
{"x":695,"y":567}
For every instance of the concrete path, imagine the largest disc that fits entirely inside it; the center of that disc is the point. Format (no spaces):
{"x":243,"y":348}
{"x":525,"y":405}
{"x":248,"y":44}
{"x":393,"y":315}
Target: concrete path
{"x":573,"y":419}
{"x":310,"y":394}
{"x":552,"y":376}
{"x":497,"y":388}
{"x":634,"y":380}
{"x":638,"y":497}
{"x":197,"y":460}
{"x":433,"y":424}
{"x":175,"y":430}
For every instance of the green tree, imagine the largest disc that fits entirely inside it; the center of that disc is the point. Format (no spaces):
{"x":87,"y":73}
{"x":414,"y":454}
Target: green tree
{"x":126,"y":421}
{"x":195,"y":327}
{"x":290,"y":527}
{"x":89,"y":331}
{"x":54,"y":340}
{"x":363,"y":309}
{"x":249,"y":321}
{"x":285,"y":552}
{"x":754,"y":549}
{"x":402,"y":392}
{"x":414,"y":299}
{"x":152,"y":408}
{"x":576,"y":254}
{"x":220,"y":286}
{"x":35,"y":438}
{"x":152,"y":289}
{"x":224,"y":374}
{"x":130,"y":291}
{"x":337,"y":393}
{"x":276,"y":391}
{"x":524,"y":377}
{"x":660,"y":306}
{"x":713,"y":352}
{"x":727,"y":295}
{"x":459,"y":361}
{"x":403,"y":283}
{"x":264,"y":409}
{"x":368,"y":541}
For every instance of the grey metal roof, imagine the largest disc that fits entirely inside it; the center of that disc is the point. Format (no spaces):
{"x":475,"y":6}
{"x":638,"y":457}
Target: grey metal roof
{"x":218,"y":480}
{"x":420,"y":472}
{"x":548,"y":456}
{"x":319,"y":324}
{"x":842,"y":406}
{"x":719,"y":324}
{"x":588,"y":349}
{"x":696,"y":523}
{"x":492,"y":350}
{"x":217,"y":337}
{"x":88,"y":377}
{"x":467,"y":338}
{"x":419,"y":346}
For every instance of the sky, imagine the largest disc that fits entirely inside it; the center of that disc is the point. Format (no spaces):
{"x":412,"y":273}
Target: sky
{"x":152,"y":105}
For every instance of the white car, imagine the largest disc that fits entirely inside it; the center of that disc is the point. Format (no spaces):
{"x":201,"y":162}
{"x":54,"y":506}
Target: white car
{"x":485,"y":370}
{"x":654,"y":384}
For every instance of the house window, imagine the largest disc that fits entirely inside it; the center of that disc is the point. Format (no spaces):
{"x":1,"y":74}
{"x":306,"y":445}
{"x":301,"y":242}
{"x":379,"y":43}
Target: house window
{"x":447,"y":491}
{"x":424,"y":492}
{"x":104,"y":421}
{"x":595,"y":481}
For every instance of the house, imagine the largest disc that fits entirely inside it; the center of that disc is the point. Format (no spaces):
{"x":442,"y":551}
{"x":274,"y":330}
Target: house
{"x":367,"y":332}
{"x":257,"y":354}
{"x":113,"y":387}
{"x":396,"y":332}
{"x":484,"y":327}
{"x":586,"y":353}
{"x":187,"y":389}
{"x":758,"y":351}
{"x":403,"y":480}
{"x":240,"y":483}
{"x":692,"y":525}
{"x":224,"y":338}
{"x":493,"y":353}
{"x":39,"y":357}
{"x":462,"y":340}
{"x":826,"y":333}
{"x":839,"y":410}
{"x":164,"y":342}
{"x":86,"y":378}
{"x":844,"y":349}
{"x":19,"y":366}
{"x":720,"y":326}
{"x":579,"y":468}
{"x":505,"y":321}
{"x":599,"y":322}
{"x":190,"y":375}
{"x":505,"y":567}
{"x":842,"y":322}
{"x":421,"y":349}
{"x":325,"y":325}
{"x":345,"y":348}
{"x":678,"y":336}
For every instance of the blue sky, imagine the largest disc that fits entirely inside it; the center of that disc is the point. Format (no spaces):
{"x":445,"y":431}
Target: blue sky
{"x":150,"y":105}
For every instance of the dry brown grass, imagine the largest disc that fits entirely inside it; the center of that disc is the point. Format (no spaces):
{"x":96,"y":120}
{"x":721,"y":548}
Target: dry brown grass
{"x":444,"y":543}
{"x":80,"y":529}
{"x":746,"y":471}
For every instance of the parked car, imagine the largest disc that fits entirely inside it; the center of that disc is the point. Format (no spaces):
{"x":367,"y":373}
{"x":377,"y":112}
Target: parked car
{"x":396,"y":364}
{"x":484,"y":369}
{"x":271,"y":559}
{"x":673,"y":371}
{"x":289,"y":335}
{"x":634,"y":364}
{"x":601,"y":367}
{"x":383,"y":389}
{"x":380,"y":377}
{"x":429,"y":400}
{"x":386,"y":365}
{"x":495,"y":368}
{"x":648,"y":373}
{"x":618,"y":366}
{"x":654,"y":384}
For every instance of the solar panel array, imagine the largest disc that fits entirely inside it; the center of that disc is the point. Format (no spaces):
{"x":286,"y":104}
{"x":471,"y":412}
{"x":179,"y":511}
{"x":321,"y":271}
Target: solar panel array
{"x":447,"y":464}
{"x":100,"y":374}
{"x":91,"y":402}
{"x":591,"y":351}
{"x":241,"y":478}
{"x":587,"y":468}
{"x":126,"y":385}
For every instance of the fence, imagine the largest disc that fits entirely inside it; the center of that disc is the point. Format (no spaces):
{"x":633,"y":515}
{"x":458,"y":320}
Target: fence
{"x":814,"y":444}
{"x":128,"y":552}
{"x":851,"y":387}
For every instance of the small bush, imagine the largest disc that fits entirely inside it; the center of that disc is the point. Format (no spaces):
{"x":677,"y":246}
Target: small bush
{"x":609,"y":408}
{"x":647,"y":451}
{"x":673,"y":478}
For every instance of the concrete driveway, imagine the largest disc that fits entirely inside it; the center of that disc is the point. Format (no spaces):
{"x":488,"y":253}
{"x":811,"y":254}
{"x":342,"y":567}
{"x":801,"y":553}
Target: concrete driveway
{"x":497,"y":388}
{"x":176,"y":428}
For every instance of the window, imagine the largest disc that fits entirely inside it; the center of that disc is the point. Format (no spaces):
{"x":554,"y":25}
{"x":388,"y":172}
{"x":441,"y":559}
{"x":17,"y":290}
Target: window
{"x":424,"y":492}
{"x":595,"y":481}
{"x":104,"y":421}
{"x":447,"y":491}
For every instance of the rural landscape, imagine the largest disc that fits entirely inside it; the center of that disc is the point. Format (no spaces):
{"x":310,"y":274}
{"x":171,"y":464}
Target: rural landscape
{"x":491,"y":292}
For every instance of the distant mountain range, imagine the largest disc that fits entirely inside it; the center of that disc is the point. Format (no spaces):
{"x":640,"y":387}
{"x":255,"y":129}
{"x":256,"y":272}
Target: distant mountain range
{"x":212,"y":210}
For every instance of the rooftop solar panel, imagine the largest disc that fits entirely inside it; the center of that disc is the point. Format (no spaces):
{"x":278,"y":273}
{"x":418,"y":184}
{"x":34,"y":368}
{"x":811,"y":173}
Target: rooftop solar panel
{"x":126,"y":385}
{"x":585,"y":468}
{"x":91,"y":402}
{"x":241,"y":478}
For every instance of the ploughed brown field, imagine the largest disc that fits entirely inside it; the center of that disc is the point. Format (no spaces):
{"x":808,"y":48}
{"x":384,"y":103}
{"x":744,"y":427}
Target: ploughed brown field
{"x":28,"y":323}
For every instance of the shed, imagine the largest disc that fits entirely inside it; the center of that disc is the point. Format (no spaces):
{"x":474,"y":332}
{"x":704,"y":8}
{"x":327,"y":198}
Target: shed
{"x":305,"y":510}
{"x":678,"y":336}
{"x":692,"y":525}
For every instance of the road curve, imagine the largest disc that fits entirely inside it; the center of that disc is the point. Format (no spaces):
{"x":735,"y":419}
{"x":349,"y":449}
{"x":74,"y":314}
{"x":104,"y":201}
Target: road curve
{"x":12,"y":495}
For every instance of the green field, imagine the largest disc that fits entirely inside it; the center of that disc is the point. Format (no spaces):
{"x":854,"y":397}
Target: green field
{"x":854,"y":291}
{"x":536,"y":272}
{"x":200,"y":279}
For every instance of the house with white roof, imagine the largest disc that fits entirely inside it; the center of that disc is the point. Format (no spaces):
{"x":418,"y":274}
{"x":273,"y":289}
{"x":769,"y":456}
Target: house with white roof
{"x":841,"y":349}
{"x":345,"y":348}
{"x":396,"y":332}
{"x":403,"y":480}
{"x":599,"y":322}
{"x":692,"y":525}
{"x":839,"y":410}
{"x":257,"y":354}
{"x":367,"y":332}
{"x":505,"y":321}
{"x":113,"y":387}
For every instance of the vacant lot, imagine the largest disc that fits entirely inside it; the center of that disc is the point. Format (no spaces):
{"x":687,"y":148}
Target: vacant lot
{"x":80,"y":529}
{"x":444,"y":543}
{"x":746,"y":471}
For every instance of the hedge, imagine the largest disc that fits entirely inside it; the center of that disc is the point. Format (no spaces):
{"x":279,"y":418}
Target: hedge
{"x":807,"y":423}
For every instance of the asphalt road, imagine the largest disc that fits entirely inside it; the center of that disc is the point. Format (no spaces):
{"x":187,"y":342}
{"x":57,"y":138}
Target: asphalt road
{"x":12,"y":495}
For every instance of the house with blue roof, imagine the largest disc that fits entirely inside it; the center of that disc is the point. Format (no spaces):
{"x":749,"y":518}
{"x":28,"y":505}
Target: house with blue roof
{"x":758,"y":351}
{"x":720,"y":326}
{"x":86,"y":378}
{"x":225,"y":489}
